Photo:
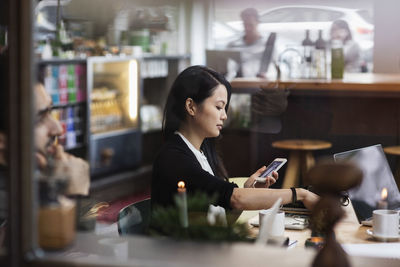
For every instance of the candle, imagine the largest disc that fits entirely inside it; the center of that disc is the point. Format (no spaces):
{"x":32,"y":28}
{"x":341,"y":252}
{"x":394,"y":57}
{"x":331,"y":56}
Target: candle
{"x":383,"y":204}
{"x":316,"y":242}
{"x":183,"y":214}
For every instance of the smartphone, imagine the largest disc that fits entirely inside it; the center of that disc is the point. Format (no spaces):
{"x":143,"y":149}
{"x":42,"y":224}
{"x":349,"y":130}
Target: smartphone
{"x":273,"y":166}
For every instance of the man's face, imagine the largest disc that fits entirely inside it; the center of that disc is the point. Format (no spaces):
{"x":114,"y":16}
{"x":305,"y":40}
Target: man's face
{"x":250,"y":24}
{"x":46,"y":127}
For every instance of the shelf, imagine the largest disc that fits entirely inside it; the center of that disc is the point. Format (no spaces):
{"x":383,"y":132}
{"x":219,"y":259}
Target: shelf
{"x":61,"y":61}
{"x":154,"y":77}
{"x":170,"y":57}
{"x":83,"y":60}
{"x":68,"y":105}
{"x":110,"y":133}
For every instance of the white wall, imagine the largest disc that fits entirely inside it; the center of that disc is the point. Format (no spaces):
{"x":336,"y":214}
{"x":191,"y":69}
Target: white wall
{"x":387,"y":36}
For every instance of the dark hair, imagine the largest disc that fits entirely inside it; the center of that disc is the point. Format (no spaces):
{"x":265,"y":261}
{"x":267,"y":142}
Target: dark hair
{"x":342,"y":24}
{"x":197,"y":83}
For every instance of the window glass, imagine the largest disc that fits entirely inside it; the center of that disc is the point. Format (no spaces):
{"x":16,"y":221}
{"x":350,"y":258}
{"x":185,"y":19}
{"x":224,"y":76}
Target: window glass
{"x":290,"y":24}
{"x":90,"y":131}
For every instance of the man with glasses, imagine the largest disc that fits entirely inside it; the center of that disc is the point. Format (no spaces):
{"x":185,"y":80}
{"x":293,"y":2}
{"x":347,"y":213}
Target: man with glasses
{"x":49,"y":154}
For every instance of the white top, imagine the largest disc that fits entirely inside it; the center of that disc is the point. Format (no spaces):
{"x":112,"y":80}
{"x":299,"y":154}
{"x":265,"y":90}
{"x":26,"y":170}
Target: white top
{"x":201,"y":158}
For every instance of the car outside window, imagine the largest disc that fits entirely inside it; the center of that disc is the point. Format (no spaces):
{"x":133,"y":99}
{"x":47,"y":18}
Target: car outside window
{"x":300,"y":15}
{"x":366,"y":16}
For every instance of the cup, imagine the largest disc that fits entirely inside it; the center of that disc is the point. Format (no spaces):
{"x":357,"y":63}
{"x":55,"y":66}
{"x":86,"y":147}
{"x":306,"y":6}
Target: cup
{"x":277,"y":228}
{"x":114,"y":247}
{"x":385,"y":223}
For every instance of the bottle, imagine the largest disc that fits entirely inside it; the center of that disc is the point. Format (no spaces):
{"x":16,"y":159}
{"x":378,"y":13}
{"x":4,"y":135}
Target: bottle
{"x":71,"y":83}
{"x":337,"y":67}
{"x":56,"y":44}
{"x":308,"y":47}
{"x":320,"y":57}
{"x":47,"y":51}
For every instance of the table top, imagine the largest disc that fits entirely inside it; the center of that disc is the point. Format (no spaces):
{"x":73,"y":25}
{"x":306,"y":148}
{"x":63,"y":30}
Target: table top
{"x":91,"y":249}
{"x":347,"y":231}
{"x":301,"y":144}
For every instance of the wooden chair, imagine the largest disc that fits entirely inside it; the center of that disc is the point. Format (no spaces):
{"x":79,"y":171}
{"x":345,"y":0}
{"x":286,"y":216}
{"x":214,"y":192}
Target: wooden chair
{"x":395,"y":150}
{"x":301,"y":158}
{"x":134,"y":218}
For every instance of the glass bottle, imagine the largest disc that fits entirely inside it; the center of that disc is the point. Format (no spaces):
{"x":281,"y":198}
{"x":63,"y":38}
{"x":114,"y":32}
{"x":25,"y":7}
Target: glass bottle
{"x":337,"y":65}
{"x":320,"y":57}
{"x":47,"y":51}
{"x":56,"y":44}
{"x":308,"y":47}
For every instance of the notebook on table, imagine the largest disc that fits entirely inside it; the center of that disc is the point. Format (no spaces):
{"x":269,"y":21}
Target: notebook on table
{"x":376,"y":176}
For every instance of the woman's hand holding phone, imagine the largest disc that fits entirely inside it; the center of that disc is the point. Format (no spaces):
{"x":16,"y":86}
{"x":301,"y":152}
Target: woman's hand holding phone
{"x":266,"y":176}
{"x":267,"y":181}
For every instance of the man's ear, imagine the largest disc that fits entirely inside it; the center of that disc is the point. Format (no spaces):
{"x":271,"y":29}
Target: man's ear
{"x":190,"y":107}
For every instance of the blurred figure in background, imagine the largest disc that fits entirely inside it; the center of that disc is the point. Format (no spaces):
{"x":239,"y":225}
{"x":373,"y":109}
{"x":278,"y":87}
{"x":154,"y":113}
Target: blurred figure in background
{"x":252,"y":45}
{"x":352,"y":54}
{"x":251,"y":35}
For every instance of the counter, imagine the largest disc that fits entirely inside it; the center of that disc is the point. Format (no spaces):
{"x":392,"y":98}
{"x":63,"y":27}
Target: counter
{"x":360,"y":83}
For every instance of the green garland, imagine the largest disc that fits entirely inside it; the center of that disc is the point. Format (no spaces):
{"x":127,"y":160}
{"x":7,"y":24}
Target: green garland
{"x":165,"y":222}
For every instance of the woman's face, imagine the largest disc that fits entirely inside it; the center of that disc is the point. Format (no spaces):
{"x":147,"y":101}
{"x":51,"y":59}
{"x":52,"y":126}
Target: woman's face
{"x":338,"y":33}
{"x":210,"y":115}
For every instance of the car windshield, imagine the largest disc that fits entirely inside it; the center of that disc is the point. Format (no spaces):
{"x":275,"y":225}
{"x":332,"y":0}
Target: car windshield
{"x":300,"y":15}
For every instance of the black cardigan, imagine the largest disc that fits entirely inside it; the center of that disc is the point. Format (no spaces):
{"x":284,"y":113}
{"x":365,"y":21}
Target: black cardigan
{"x":176,"y":162}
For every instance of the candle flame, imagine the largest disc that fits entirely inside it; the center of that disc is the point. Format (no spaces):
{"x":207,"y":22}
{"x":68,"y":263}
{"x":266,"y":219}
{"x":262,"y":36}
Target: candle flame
{"x":317,"y":239}
{"x":384,"y":193}
{"x":181,"y":184}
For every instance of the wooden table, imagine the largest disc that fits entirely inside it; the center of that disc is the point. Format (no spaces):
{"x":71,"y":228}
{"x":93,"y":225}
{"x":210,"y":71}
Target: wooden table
{"x":347,"y":231}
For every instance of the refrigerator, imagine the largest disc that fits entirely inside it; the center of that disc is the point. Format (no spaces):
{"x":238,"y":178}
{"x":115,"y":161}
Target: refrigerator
{"x":113,"y":90}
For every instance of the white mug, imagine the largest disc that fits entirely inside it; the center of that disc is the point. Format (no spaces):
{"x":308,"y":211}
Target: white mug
{"x":278,"y":224}
{"x":385,"y":223}
{"x":114,"y":247}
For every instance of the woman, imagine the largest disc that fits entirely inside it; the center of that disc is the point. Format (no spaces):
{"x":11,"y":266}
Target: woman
{"x":194,"y":115}
{"x":340,"y":30}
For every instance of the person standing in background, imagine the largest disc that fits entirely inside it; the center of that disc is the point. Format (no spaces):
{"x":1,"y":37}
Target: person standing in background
{"x":252,"y":44}
{"x":352,"y":59}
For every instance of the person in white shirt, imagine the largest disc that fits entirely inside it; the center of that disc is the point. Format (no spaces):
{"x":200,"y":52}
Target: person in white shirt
{"x":251,"y":44}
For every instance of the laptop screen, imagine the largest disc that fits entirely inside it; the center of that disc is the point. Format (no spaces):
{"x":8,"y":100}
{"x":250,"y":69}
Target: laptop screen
{"x":376,"y":176}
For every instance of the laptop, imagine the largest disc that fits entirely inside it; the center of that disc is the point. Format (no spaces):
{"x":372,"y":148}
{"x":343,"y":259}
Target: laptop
{"x":376,"y":176}
{"x":233,"y":61}
{"x":225,"y":62}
